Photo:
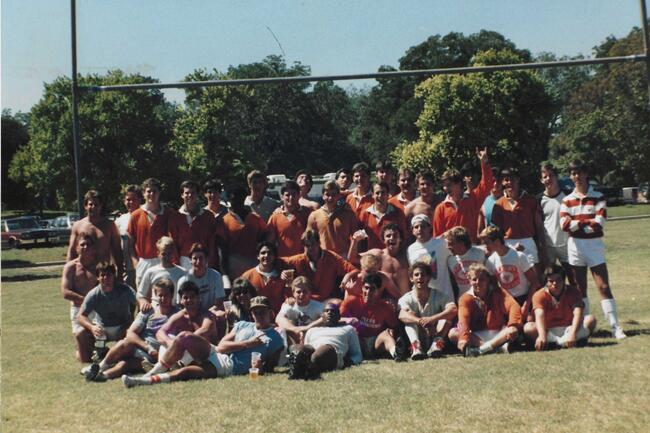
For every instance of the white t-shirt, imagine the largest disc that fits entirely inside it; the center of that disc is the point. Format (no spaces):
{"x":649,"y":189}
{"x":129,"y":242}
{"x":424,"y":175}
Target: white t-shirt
{"x":122,"y":223}
{"x":435,"y":252}
{"x":301,"y":316}
{"x":555,"y":236}
{"x":210,"y":287}
{"x":459,"y":265}
{"x":509,"y":271}
{"x":435,"y":304}
{"x":343,"y":338}
{"x":155,"y":273}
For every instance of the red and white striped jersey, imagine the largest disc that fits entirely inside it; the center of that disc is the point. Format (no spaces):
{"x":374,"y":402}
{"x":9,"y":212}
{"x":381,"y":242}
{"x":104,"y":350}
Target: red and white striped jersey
{"x":584,"y":217}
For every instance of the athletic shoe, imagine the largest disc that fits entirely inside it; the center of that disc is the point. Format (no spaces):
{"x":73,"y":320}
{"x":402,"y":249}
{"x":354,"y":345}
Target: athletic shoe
{"x":146,"y":365}
{"x":92,"y":372}
{"x":618,"y":333}
{"x":418,"y":355}
{"x":505,"y":348}
{"x":400,"y":350}
{"x":99,"y":354}
{"x":298,"y":365}
{"x":471,"y":352}
{"x":129,"y":381}
{"x":85,"y":370}
{"x":435,"y":351}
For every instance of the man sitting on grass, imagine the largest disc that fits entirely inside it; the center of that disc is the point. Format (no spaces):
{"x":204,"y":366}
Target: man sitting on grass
{"x":559,"y":314}
{"x":488,"y":317}
{"x":112,"y":304}
{"x":233,"y":355}
{"x":426,"y":313}
{"x":334,"y":345}
{"x":376,"y":320}
{"x":140,"y":343}
{"x":303,"y":314}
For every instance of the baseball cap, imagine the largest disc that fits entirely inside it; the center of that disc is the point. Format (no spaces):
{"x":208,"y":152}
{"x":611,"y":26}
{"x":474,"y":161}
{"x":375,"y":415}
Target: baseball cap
{"x":260,"y":302}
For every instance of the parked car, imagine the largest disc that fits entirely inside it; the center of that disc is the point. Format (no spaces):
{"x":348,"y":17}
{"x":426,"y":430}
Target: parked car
{"x":61,"y":227}
{"x":23,"y":230}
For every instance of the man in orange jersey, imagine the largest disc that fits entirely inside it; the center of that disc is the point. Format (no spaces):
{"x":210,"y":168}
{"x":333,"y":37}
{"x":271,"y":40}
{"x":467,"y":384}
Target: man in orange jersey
{"x":361,"y":197}
{"x":380,"y":213}
{"x":322,"y":267}
{"x":334,"y":222}
{"x":559,"y":314}
{"x":384,"y":172}
{"x":266,"y":276}
{"x":289,"y":221}
{"x":459,"y":209}
{"x":519,"y":215}
{"x":243,"y":230}
{"x":488,"y":317}
{"x":192,"y":224}
{"x":147,"y":225}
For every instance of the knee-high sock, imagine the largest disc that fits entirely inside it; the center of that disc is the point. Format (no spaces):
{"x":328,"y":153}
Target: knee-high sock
{"x":609,"y":310}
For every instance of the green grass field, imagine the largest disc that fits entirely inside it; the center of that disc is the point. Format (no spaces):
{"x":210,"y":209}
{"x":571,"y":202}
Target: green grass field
{"x":600,"y":388}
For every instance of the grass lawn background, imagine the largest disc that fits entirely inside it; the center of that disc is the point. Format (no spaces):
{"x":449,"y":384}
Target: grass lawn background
{"x":603,"y":387}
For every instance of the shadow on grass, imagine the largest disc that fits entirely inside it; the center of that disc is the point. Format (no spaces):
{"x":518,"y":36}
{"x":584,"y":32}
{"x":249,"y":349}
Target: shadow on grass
{"x":16,"y":263}
{"x":591,"y":343}
{"x":25,"y":277}
{"x":637,"y":332}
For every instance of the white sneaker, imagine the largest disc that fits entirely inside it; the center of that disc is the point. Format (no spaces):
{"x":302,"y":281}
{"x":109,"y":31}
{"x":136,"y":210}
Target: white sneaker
{"x":505,"y":348}
{"x":417,"y":355}
{"x":85,"y":370}
{"x":618,"y":333}
{"x":129,"y":381}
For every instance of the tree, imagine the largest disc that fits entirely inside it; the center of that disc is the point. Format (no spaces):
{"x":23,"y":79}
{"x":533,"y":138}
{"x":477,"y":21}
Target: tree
{"x":390,"y":110}
{"x":14,"y":136}
{"x":607,"y":119}
{"x":124,"y":138}
{"x":507,"y":111}
{"x":277,"y":128}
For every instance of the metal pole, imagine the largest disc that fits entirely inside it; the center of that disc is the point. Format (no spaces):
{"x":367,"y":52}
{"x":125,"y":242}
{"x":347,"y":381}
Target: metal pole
{"x":75,"y":102}
{"x":646,"y":42}
{"x":389,"y":74}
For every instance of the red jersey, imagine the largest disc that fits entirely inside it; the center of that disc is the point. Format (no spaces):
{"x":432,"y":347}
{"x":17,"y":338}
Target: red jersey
{"x":242,"y":237}
{"x":373,"y":319}
{"x":373,"y":222}
{"x":145,"y":228}
{"x":273,"y":288}
{"x":329,"y":269}
{"x":517,"y":221}
{"x":499,"y":310}
{"x":288,"y":229}
{"x":557,"y":312}
{"x":186,"y":231}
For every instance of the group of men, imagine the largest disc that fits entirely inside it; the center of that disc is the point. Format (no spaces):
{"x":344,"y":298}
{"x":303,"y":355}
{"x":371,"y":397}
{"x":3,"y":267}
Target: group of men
{"x":386,"y":269}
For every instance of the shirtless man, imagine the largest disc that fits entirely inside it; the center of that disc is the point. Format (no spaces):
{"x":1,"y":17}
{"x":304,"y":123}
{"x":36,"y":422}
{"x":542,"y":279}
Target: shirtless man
{"x":392,"y":257}
{"x":427,"y":201}
{"x":108,"y":243}
{"x":77,"y":280}
{"x":305,"y":182}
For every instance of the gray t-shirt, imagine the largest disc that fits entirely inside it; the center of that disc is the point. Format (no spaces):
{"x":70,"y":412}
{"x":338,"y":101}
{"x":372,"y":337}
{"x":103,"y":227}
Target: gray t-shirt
{"x":150,"y":322}
{"x":114,"y":308}
{"x":301,"y":316}
{"x":210,"y":287}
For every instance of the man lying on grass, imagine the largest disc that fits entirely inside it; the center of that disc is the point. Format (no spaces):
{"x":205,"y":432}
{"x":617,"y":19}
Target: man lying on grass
{"x":559,"y":314}
{"x":140,"y":343}
{"x":488,"y":317}
{"x":233,"y":355}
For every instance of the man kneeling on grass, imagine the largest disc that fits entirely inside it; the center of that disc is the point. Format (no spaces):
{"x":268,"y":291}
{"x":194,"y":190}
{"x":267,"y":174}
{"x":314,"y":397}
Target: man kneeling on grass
{"x":426,"y":313}
{"x":334,"y":345}
{"x":488,"y":317}
{"x":559,"y":312}
{"x":107,"y":310}
{"x":140,"y":343}
{"x":233,"y":355}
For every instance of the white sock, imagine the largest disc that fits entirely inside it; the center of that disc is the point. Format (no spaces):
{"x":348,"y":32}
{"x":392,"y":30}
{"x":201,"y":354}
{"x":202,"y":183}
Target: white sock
{"x":160,"y":378}
{"x":412,"y":333}
{"x":586,"y":310}
{"x":103,"y":366}
{"x":485,"y":348}
{"x":609,"y":310}
{"x":157,"y":369}
{"x":392,"y":351}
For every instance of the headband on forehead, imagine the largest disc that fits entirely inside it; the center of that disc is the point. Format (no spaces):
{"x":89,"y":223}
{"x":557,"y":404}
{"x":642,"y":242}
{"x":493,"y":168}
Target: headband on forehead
{"x":420,"y":218}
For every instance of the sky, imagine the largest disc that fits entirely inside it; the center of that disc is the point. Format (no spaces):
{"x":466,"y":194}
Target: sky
{"x":167,"y":39}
